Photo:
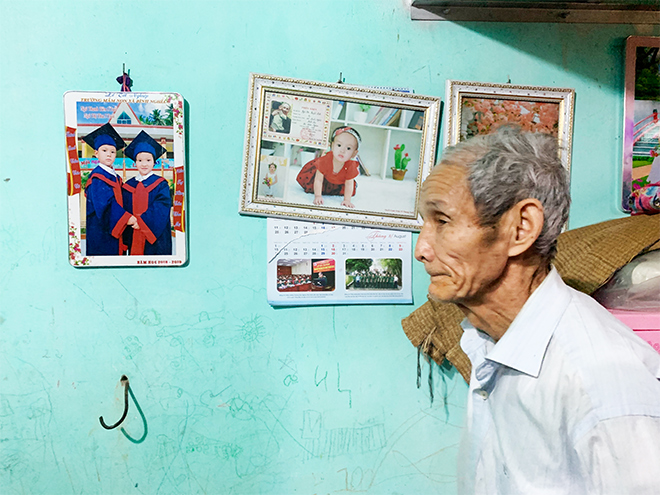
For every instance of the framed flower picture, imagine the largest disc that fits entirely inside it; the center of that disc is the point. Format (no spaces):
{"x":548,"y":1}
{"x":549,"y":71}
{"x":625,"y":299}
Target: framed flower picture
{"x":125,"y":163}
{"x":641,"y":125}
{"x":480,"y":108}
{"x":336,"y":153}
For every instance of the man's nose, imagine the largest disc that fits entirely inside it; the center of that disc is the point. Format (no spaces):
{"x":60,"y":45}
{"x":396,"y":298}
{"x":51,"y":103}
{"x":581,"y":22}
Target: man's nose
{"x":424,"y":248}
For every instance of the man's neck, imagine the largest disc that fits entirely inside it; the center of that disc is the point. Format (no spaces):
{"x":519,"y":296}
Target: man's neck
{"x":494,"y":313}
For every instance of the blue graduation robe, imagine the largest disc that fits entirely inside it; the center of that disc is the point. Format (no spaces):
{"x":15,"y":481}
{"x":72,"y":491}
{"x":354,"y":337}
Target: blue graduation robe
{"x":106,"y":217}
{"x":150,"y":202}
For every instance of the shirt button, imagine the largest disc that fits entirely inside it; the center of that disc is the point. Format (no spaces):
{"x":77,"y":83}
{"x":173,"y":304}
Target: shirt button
{"x":482,"y":393}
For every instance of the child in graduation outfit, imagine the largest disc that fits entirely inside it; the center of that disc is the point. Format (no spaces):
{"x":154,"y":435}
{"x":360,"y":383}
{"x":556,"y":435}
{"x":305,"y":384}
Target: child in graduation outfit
{"x":334,"y":173}
{"x":147,"y":197}
{"x":106,"y":216}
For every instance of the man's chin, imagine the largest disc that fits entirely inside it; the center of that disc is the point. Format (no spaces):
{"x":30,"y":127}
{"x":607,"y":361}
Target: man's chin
{"x":441,"y":295}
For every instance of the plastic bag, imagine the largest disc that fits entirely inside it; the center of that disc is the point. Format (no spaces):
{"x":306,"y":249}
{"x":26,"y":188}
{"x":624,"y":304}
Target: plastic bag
{"x":635,"y":286}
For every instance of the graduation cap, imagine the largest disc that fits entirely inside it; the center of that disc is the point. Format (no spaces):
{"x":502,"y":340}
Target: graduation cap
{"x":105,"y":134}
{"x":143,"y":142}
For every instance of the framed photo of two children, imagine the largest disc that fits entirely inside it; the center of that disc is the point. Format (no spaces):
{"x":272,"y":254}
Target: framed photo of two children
{"x":336,"y":153}
{"x":125,"y":178}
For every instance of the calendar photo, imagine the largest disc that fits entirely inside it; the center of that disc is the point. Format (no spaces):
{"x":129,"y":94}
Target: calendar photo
{"x":311,"y":263}
{"x":373,"y":274}
{"x":337,"y":153}
{"x":126,"y":179}
{"x":305,"y":275}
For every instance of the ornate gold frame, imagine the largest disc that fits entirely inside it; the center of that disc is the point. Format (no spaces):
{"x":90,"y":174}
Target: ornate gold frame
{"x":458,"y":91}
{"x":260,"y":85}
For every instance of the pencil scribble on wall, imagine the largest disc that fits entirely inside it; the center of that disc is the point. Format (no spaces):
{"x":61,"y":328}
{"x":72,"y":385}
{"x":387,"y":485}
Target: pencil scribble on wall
{"x":149,"y":317}
{"x":321,"y":442}
{"x":323,"y":380}
{"x":290,"y":367}
{"x":348,"y":391}
{"x":251,"y":331}
{"x":26,"y":410}
{"x":132,"y":346}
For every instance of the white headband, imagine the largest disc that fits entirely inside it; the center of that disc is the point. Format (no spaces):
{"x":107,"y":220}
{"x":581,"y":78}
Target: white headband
{"x":350,"y":130}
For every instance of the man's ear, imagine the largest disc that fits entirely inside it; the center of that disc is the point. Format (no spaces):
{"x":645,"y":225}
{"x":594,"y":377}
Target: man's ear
{"x":526,"y":222}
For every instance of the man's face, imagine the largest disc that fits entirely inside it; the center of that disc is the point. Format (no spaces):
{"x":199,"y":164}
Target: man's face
{"x":106,"y":154}
{"x":464,"y":260}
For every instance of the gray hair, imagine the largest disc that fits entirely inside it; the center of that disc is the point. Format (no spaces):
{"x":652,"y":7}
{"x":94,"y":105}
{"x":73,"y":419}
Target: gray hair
{"x":508,"y":166}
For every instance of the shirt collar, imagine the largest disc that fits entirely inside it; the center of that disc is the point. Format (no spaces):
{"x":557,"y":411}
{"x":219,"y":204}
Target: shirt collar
{"x":523,"y":345}
{"x":140,"y":178}
{"x":111,"y":171}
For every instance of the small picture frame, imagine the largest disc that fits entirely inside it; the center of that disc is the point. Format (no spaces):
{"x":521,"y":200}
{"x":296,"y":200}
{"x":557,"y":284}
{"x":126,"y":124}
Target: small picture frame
{"x":641,"y":123}
{"x":476,"y":108}
{"x":125,"y":163}
{"x":295,"y":131}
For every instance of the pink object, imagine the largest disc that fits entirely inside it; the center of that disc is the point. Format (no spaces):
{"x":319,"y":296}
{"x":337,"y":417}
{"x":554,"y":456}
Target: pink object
{"x":645,"y":200}
{"x":646,"y":324}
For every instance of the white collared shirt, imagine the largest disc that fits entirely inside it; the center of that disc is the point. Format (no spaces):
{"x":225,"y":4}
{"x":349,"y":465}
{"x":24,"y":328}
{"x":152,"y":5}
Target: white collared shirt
{"x":110,"y":170}
{"x":140,"y":177}
{"x":566,"y":402}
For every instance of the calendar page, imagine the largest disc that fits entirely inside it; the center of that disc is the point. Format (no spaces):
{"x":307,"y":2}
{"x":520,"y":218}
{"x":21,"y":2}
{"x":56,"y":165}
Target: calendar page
{"x":312,"y":263}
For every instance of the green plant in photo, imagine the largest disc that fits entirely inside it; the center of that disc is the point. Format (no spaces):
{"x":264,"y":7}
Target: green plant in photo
{"x":83,"y":179}
{"x":400,"y":159}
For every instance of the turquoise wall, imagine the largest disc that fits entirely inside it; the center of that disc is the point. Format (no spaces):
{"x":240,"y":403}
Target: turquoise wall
{"x":239,"y":398}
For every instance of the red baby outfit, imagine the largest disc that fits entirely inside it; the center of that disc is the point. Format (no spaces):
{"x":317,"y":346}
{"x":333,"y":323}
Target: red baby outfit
{"x":333,"y":184}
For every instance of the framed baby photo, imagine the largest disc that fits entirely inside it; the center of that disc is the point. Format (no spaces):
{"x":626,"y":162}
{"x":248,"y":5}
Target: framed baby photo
{"x":641,"y":126}
{"x":476,"y":108}
{"x":337,"y":153}
{"x":126,"y":184}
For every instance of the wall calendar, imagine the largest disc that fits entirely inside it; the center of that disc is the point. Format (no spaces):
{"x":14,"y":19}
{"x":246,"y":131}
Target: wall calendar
{"x":311,"y":263}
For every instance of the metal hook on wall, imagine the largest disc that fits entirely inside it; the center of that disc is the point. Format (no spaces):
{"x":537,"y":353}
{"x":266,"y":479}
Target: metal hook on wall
{"x":144,"y":421}
{"x":125,"y":79}
{"x":124,"y":381}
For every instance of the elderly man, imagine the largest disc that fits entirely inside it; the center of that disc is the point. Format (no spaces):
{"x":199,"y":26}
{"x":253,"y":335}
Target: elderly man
{"x":563,"y":398}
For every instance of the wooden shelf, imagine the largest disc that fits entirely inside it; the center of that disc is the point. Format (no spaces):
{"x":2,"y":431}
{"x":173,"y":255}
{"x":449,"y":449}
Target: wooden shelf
{"x":580,"y":11}
{"x":378,"y":146}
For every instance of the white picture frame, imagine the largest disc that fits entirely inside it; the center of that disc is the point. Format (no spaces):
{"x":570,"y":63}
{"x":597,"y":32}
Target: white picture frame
{"x":161,"y":116}
{"x":537,"y":109}
{"x":314,"y":110}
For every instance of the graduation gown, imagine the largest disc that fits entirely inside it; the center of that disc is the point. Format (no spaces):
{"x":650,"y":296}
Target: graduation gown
{"x":106,"y":217}
{"x":150,"y":202}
